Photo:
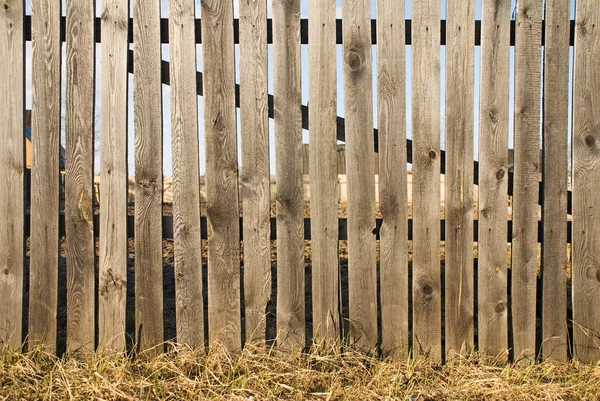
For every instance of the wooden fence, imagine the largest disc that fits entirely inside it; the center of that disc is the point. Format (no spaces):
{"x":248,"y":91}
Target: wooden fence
{"x":379,"y":297}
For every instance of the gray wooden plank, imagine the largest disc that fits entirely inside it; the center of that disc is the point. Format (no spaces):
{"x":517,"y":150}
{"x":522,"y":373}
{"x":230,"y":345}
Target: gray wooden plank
{"x":358,"y":106}
{"x":79,"y":175}
{"x":112,"y":281}
{"x":323,"y":179}
{"x":459,"y":306}
{"x":586,"y":163}
{"x":224,"y":319}
{"x":12,"y":172}
{"x":186,"y":175}
{"x":289,"y":189}
{"x":527,"y":175}
{"x":493,"y":179}
{"x":45,"y":133}
{"x":427,"y":337}
{"x":556,"y":109}
{"x":255,"y":166}
{"x":393,"y":197}
{"x":148,"y":177}
{"x":186,"y":197}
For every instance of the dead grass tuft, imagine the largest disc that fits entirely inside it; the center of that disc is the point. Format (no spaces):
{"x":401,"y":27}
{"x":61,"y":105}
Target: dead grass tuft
{"x":262,"y":373}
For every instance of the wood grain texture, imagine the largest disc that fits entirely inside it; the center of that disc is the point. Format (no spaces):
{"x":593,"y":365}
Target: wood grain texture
{"x":12,"y":164}
{"x":323,"y":165}
{"x":340,"y":155}
{"x":45,"y":132}
{"x":113,"y":177}
{"x":426,"y":180}
{"x":255,"y":166}
{"x":586,"y":184}
{"x":556,"y":109}
{"x":358,"y":107}
{"x":493,"y":178}
{"x":393,"y":198}
{"x":527,"y":175}
{"x":459,"y":306}
{"x":148,"y":177}
{"x":224,"y":319}
{"x":79,"y":176}
{"x":288,"y":148}
{"x":186,"y":174}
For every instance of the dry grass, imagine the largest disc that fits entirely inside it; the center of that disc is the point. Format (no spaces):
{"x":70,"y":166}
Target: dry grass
{"x":262,"y":374}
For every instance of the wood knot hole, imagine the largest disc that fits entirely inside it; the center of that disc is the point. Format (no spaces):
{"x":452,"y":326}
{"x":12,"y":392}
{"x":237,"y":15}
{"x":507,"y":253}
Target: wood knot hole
{"x":5,"y":5}
{"x":500,"y":174}
{"x":590,"y":141}
{"x":500,"y":306}
{"x":427,"y":289}
{"x":432,"y":154}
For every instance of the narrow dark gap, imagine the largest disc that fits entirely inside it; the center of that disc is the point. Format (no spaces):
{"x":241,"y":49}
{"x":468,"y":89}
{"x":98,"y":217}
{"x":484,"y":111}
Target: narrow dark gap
{"x":411,"y":345}
{"x":169,"y":300}
{"x":511,"y":350}
{"x":242,"y":302}
{"x":61,"y":316}
{"x":308,"y":307}
{"x":569,"y":322}
{"x":26,"y":276}
{"x":379,"y":317}
{"x":475,"y":304}
{"x":130,"y":329}
{"x":539,"y":316}
{"x":271,"y":311}
{"x":96,"y":287}
{"x":443,"y":307}
{"x":345,"y":301}
{"x":205,"y":300}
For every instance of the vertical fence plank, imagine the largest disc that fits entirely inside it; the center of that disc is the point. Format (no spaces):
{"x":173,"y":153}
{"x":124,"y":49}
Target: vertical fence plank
{"x":393,"y":198}
{"x":45,"y":145}
{"x":358,"y":105}
{"x":12,"y":165}
{"x":527,"y":175}
{"x":113,"y":177}
{"x":426,"y":180}
{"x":148,"y":176}
{"x":323,"y":169}
{"x":556,"y":109}
{"x":224,"y":320}
{"x":586,"y":161}
{"x":493,"y":178}
{"x":256,"y":195}
{"x":460,"y":47}
{"x":79,"y":175}
{"x":288,"y":147}
{"x":186,"y":174}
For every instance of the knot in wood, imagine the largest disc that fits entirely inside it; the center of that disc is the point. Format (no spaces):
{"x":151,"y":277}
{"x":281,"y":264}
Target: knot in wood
{"x":500,"y":307}
{"x":354,"y":60}
{"x":500,"y":174}
{"x":5,"y":5}
{"x":432,"y":154}
{"x":427,"y":289}
{"x":590,"y":141}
